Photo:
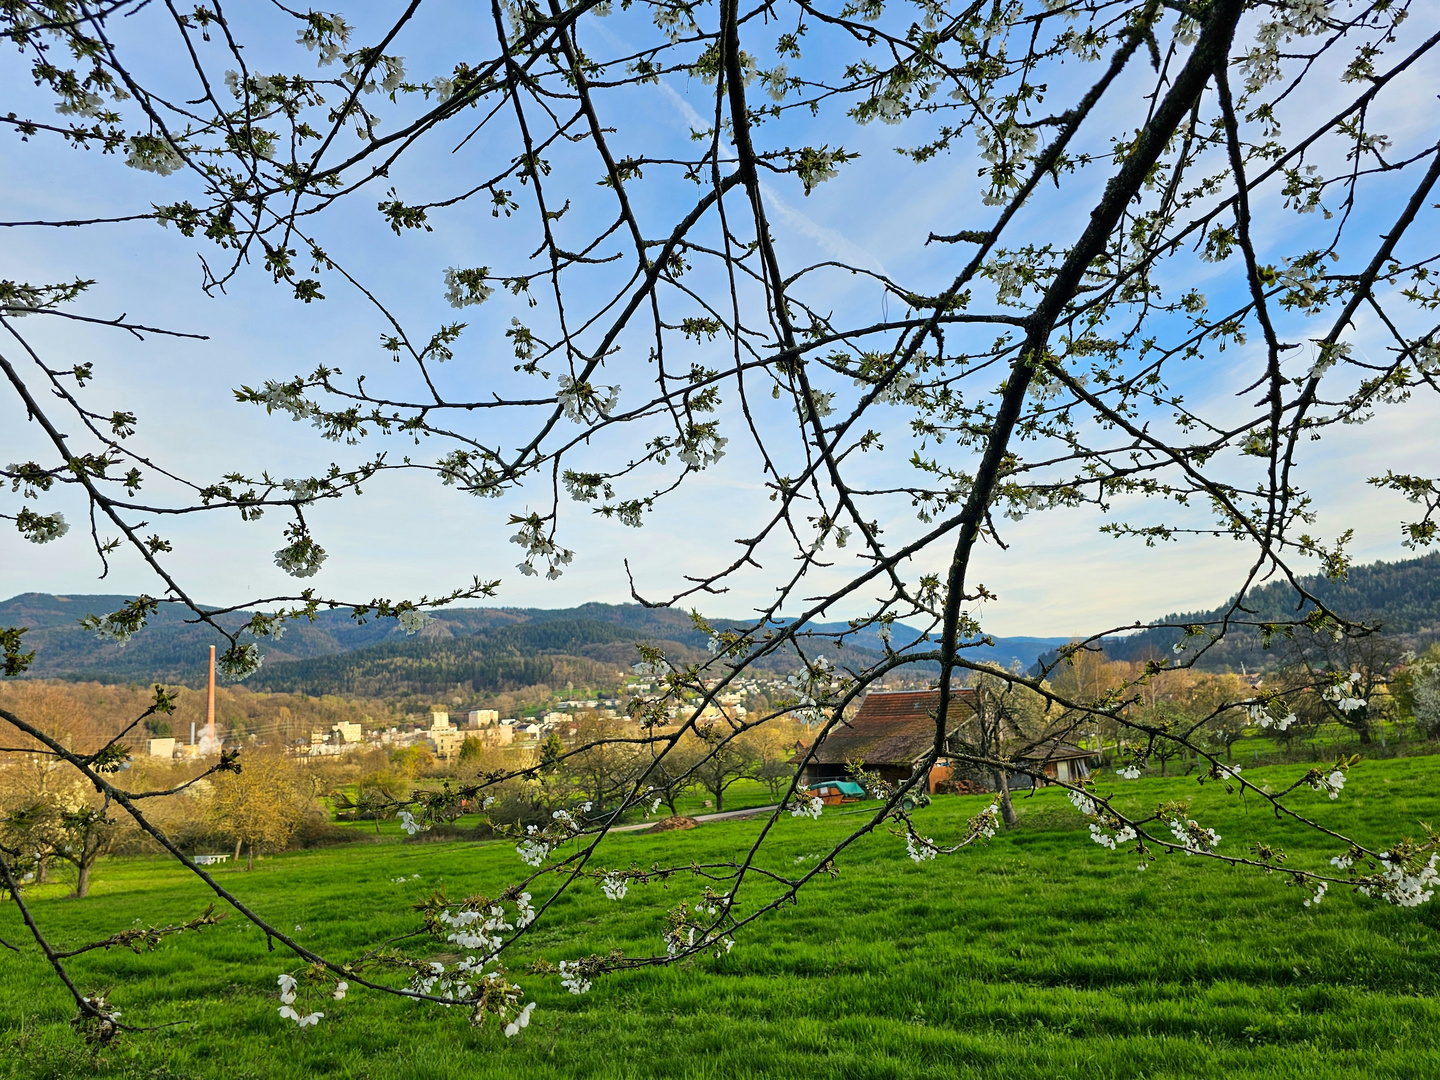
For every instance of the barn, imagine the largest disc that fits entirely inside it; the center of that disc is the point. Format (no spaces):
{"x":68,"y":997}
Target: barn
{"x":894,"y":730}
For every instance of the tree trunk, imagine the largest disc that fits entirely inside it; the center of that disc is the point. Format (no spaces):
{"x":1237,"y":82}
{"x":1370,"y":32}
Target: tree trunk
{"x":719,"y":794}
{"x":1007,"y":808}
{"x":82,"y":882}
{"x":236,"y":860}
{"x":42,"y":870}
{"x":250,"y":857}
{"x":1363,"y":730}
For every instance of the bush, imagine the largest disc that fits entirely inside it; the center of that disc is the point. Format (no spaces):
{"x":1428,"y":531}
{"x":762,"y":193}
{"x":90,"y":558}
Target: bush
{"x":317,"y":831}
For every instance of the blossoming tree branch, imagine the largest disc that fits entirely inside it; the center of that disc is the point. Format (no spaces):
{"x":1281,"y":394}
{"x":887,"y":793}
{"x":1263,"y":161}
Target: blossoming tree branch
{"x":639,"y":324}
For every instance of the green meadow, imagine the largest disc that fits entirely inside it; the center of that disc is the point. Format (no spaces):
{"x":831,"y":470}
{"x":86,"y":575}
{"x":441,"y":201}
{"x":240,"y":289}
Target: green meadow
{"x":1036,"y":954}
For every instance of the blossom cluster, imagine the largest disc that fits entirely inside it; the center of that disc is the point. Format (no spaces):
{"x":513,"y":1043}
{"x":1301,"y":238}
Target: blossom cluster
{"x":466,"y":287}
{"x":703,"y":445}
{"x":535,"y":848}
{"x":583,"y":401}
{"x":572,"y":977}
{"x":814,"y":166}
{"x":301,"y":558}
{"x":451,"y":983}
{"x":532,"y":538}
{"x":812,"y":807}
{"x":532,"y":851}
{"x":327,"y":33}
{"x":287,"y":398}
{"x":288,"y":986}
{"x":1259,"y":713}
{"x":40,"y":528}
{"x":1123,"y":835}
{"x":240,"y":661}
{"x":986,"y":823}
{"x":474,"y":929}
{"x":811,"y":689}
{"x":1343,"y":693}
{"x":1330,"y":784}
{"x":524,"y":910}
{"x":1084,"y":803}
{"x":1401,"y":886}
{"x":412,"y":621}
{"x":150,"y":153}
{"x":487,"y":991}
{"x":1193,"y":837}
{"x":919,"y":848}
{"x":521,"y":1021}
{"x":1297,"y":18}
{"x":684,"y":932}
{"x":615,"y":886}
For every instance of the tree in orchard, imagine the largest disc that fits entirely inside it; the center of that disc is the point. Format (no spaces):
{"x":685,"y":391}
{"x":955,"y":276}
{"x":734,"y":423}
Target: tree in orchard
{"x":51,"y":816}
{"x":58,"y":826}
{"x":1146,"y":256}
{"x":260,"y":806}
{"x":1352,"y":679}
{"x":723,"y":754}
{"x":606,"y":764}
{"x":1010,"y":720}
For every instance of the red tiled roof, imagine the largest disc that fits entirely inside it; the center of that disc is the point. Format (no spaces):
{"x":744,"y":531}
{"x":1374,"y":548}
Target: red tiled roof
{"x":893,"y":727}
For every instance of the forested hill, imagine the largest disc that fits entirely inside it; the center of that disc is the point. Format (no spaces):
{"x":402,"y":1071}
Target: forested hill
{"x":1403,"y":597}
{"x":482,"y":646}
{"x":582,"y":652}
{"x":173,"y":649}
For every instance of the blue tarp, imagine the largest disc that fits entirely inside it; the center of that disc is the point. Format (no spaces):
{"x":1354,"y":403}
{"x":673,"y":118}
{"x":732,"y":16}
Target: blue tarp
{"x":845,"y":787}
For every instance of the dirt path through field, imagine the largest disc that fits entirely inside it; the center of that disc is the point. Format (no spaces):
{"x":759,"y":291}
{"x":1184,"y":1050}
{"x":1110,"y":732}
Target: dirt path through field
{"x":702,"y":818}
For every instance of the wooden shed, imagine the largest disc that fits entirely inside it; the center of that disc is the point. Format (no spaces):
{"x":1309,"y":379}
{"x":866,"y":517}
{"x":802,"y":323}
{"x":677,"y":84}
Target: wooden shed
{"x":1057,"y":760}
{"x":891,"y":733}
{"x":894,"y":730}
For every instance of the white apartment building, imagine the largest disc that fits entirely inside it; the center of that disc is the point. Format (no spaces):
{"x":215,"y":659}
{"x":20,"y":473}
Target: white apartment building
{"x":444,"y":736}
{"x":479,"y":718}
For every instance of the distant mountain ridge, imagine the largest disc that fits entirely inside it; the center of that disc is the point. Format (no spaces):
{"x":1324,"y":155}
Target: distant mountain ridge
{"x":1403,"y":597}
{"x":488,"y":649}
{"x":482,"y":648}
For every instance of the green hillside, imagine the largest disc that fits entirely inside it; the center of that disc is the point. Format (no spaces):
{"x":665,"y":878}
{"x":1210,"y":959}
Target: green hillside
{"x":1402,"y":597}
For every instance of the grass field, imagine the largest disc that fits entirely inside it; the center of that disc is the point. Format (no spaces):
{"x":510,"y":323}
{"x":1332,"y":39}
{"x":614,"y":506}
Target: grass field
{"x":741,"y":795}
{"x":1039,"y":954}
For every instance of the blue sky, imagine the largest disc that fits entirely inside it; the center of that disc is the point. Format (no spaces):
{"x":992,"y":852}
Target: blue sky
{"x":1059,"y":576}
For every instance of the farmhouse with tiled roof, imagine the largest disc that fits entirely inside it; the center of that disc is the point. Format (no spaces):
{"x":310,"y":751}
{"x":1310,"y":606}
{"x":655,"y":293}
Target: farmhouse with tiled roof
{"x":894,"y":730}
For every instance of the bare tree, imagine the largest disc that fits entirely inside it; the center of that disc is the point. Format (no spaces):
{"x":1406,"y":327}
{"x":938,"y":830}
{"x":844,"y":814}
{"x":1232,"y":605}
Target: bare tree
{"x":1010,"y":720}
{"x":606,"y":764}
{"x":1349,"y":679}
{"x":722,"y":756}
